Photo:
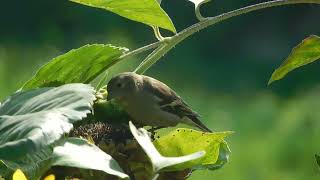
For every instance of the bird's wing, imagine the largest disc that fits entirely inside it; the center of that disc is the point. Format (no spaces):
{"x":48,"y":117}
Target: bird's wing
{"x":168,"y":99}
{"x":170,"y":102}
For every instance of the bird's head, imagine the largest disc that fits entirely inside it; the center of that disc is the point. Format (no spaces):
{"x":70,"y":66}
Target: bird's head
{"x":122,"y":85}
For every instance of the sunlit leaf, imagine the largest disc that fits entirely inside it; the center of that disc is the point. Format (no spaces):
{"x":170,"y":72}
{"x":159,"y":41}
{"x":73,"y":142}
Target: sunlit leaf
{"x":32,"y":120}
{"x":80,"y":65}
{"x":158,"y":161}
{"x":76,"y":152}
{"x":223,"y":158}
{"x":186,"y":141}
{"x":18,"y":175}
{"x":145,"y":11}
{"x":306,"y":52}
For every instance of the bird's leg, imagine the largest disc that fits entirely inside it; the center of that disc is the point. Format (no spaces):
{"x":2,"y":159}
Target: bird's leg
{"x":153,"y":131}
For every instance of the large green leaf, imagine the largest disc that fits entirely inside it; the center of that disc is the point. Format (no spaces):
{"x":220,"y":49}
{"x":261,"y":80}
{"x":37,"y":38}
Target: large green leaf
{"x":306,"y":52}
{"x":159,"y":161}
{"x":70,"y":152}
{"x":145,"y":11}
{"x":183,"y":141}
{"x":76,"y":152}
{"x":33,"y":165}
{"x":35,"y":119}
{"x":80,"y":65}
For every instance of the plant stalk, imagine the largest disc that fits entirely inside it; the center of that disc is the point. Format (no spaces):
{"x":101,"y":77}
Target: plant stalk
{"x":174,"y":40}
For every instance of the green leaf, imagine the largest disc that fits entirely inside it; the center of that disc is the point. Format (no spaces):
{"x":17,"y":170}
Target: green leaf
{"x":80,"y":65}
{"x":102,"y":81}
{"x":158,"y":161}
{"x":186,"y":141}
{"x":76,"y":152}
{"x":223,"y":158}
{"x":306,"y":52}
{"x":146,"y":11}
{"x":33,"y":165}
{"x":70,"y":152}
{"x":35,"y":119}
{"x":110,"y":112}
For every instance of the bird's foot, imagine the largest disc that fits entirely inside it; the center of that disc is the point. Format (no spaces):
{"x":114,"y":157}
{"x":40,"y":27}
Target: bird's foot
{"x":153,"y":131}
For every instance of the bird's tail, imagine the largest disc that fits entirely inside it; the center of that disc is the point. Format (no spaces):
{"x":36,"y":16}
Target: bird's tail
{"x":196,"y":121}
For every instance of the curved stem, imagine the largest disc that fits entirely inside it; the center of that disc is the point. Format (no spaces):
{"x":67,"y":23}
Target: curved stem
{"x":209,"y":22}
{"x":157,"y":33}
{"x":214,"y":20}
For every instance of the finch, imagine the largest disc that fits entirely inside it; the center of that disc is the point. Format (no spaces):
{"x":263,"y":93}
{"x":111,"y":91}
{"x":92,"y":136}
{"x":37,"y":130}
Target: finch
{"x":150,"y":102}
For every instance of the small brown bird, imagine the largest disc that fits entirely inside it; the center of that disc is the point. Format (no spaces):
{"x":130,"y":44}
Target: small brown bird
{"x":151,"y":102}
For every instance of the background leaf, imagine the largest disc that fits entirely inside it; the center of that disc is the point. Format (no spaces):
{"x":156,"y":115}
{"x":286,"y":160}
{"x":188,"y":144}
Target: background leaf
{"x":186,"y":141}
{"x":76,"y":152}
{"x":80,"y":65}
{"x":145,"y":11}
{"x":35,"y":119}
{"x":306,"y":52}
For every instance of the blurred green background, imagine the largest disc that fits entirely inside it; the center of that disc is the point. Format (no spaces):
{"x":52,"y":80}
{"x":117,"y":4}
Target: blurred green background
{"x":221,"y":72}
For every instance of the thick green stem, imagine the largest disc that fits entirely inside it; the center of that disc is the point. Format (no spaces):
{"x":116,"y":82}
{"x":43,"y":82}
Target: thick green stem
{"x":170,"y":43}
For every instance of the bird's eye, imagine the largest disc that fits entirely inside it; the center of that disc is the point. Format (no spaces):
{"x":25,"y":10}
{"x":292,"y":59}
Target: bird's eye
{"x":119,"y":85}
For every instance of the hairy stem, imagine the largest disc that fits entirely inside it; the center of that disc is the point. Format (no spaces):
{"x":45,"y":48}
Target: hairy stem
{"x":173,"y":41}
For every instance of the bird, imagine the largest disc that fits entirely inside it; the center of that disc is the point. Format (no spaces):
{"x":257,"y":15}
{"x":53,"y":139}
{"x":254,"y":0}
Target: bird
{"x":150,"y":102}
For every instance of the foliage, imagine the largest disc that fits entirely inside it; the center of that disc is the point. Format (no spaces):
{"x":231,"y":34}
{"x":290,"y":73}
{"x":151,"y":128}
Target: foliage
{"x":35,"y":122}
{"x":74,"y":153}
{"x":305,"y":53}
{"x":32,"y":120}
{"x":80,"y":65}
{"x":185,"y":141}
{"x":158,"y":161}
{"x":147,"y":11}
